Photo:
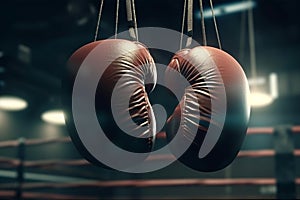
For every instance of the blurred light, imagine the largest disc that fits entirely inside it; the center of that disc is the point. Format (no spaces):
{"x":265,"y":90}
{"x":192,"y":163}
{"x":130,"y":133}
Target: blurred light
{"x":1,"y":54}
{"x":240,"y":6}
{"x":12,"y":103}
{"x":259,"y":96}
{"x":82,"y":21}
{"x":256,"y":81}
{"x":54,"y":117}
{"x":273,"y":85}
{"x":229,"y":8}
{"x":24,"y":53}
{"x":268,"y":189}
{"x":259,"y":99}
{"x":2,"y":83}
{"x":2,"y":69}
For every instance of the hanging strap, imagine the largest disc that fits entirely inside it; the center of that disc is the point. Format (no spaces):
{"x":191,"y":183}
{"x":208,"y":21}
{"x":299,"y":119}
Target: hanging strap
{"x":252,"y":43}
{"x":131,"y":23}
{"x":131,"y":18}
{"x":135,"y":21}
{"x":98,"y":21}
{"x":189,"y":23}
{"x":182,"y":24}
{"x":117,"y":18}
{"x":242,"y":36}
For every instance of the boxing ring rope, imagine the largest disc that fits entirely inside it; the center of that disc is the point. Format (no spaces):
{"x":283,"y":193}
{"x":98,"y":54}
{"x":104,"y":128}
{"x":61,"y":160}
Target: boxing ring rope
{"x":152,"y":183}
{"x":8,"y":162}
{"x":81,"y":162}
{"x":15,"y":143}
{"x":48,"y":163}
{"x":6,"y":189}
{"x":37,"y":195}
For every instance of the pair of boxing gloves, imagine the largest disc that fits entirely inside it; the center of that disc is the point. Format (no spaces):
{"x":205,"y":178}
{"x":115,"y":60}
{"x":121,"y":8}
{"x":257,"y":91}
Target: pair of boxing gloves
{"x":211,"y":117}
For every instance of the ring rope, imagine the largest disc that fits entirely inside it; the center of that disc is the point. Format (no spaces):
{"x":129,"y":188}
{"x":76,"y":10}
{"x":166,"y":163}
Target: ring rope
{"x":38,"y":195}
{"x":150,"y":183}
{"x":9,"y":162}
{"x":161,"y":135}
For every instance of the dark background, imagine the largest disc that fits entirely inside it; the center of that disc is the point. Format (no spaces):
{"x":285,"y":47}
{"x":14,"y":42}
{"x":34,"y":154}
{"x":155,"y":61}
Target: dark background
{"x":53,"y":29}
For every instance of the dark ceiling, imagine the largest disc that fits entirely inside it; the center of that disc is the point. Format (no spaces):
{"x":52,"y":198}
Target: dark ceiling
{"x":52,"y":29}
{"x":38,"y":36}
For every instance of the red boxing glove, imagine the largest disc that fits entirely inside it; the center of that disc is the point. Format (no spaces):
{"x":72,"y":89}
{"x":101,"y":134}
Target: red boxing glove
{"x":121,"y":101}
{"x":214,"y":111}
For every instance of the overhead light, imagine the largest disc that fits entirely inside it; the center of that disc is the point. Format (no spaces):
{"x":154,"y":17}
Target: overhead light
{"x":257,"y":81}
{"x":229,"y":8}
{"x":2,"y":69}
{"x":259,"y":95}
{"x":54,"y":117}
{"x":273,"y":85}
{"x":259,"y":99}
{"x":240,"y":6}
{"x":257,"y":85}
{"x":12,"y":103}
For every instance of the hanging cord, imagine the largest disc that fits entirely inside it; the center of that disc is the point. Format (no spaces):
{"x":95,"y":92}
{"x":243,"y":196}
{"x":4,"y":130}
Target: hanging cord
{"x":99,"y":19}
{"x":215,"y":23}
{"x":182,"y":24}
{"x":130,"y":21}
{"x":203,"y":24}
{"x":242,"y":36}
{"x":117,"y":18}
{"x":135,"y":20}
{"x":131,"y":18}
{"x":252,"y":43}
{"x":189,"y":23}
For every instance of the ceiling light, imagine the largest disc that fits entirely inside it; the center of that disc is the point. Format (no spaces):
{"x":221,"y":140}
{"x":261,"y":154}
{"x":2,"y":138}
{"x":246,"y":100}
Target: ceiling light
{"x":273,"y":85}
{"x":263,"y":94}
{"x":259,"y":99}
{"x":257,"y":81}
{"x":12,"y":103}
{"x":229,"y":8}
{"x":54,"y":117}
{"x":240,"y":6}
{"x":2,"y":69}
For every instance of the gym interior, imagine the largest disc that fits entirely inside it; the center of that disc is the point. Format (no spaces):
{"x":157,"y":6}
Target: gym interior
{"x":239,"y":59}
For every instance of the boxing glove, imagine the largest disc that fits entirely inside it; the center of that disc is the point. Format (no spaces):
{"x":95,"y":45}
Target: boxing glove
{"x":121,"y":73}
{"x":214,"y":111}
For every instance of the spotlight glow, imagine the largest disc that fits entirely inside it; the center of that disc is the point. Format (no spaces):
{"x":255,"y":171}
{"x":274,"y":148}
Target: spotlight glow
{"x":11,"y":103}
{"x":258,"y":99}
{"x":229,"y":8}
{"x":54,"y":117}
{"x":257,"y":81}
{"x":274,"y":85}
